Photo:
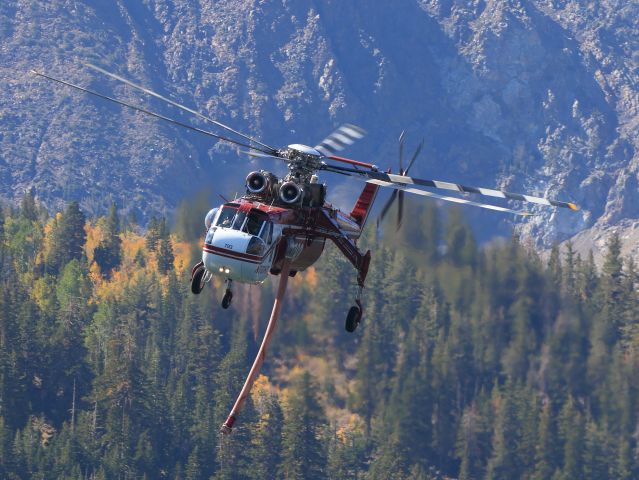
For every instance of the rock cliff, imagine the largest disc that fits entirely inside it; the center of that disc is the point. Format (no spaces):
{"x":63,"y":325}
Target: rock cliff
{"x":537,"y":96}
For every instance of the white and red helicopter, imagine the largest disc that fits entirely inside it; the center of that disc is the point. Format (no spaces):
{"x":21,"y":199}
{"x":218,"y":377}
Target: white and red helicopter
{"x":280,"y":225}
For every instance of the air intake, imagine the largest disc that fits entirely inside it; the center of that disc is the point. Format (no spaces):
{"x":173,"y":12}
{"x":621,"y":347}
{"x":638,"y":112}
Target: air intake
{"x":290,"y":192}
{"x":257,"y":182}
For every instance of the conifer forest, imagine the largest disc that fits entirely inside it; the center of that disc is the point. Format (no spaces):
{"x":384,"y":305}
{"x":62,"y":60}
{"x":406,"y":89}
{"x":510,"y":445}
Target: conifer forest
{"x":471,"y":362}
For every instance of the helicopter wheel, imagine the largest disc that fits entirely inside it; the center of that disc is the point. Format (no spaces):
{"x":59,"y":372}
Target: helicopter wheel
{"x":199,"y":280}
{"x":353,"y":318}
{"x":228,"y":298}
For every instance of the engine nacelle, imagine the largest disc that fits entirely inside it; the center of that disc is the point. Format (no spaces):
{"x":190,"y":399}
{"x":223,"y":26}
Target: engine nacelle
{"x":290,"y":192}
{"x":257,"y":182}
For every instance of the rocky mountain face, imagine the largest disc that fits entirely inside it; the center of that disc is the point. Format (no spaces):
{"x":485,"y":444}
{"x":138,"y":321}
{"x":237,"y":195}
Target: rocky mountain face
{"x":539,"y":96}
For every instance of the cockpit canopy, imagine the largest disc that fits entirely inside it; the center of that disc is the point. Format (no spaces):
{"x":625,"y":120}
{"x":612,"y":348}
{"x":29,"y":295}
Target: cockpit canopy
{"x":254,"y":222}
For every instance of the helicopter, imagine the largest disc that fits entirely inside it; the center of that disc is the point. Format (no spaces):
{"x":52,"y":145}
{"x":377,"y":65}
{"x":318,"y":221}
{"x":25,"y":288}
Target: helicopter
{"x":280,"y":225}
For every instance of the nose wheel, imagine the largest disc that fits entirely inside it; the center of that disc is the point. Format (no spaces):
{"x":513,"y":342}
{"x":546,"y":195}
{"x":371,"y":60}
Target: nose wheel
{"x":228,"y":295}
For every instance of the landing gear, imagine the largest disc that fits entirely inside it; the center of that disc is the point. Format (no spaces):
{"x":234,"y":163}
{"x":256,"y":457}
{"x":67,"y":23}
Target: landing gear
{"x":354,"y":317}
{"x":228,"y":298}
{"x":199,"y":277}
{"x":228,"y":295}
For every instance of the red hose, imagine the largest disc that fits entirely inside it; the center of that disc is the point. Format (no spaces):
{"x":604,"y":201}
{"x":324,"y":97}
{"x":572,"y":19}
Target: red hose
{"x":261,"y":354}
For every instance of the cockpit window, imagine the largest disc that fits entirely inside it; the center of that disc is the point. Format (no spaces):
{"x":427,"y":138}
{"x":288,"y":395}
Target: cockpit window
{"x":255,"y":223}
{"x":226,"y":216}
{"x":256,"y":246}
{"x":238,"y":221}
{"x":267,"y":232}
{"x":208,"y":220}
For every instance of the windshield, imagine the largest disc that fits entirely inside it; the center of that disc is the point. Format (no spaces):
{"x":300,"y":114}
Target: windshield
{"x":266,"y":232}
{"x":226,"y":216}
{"x":254,"y":223}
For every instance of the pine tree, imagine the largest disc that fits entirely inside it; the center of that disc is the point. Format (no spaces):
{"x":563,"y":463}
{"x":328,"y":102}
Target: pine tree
{"x":67,"y":238}
{"x":630,"y":299}
{"x":165,"y":255}
{"x":571,"y":433}
{"x":347,"y":454}
{"x":546,"y":455}
{"x":267,"y":446}
{"x":193,"y":469}
{"x":389,"y":461}
{"x":412,"y":399}
{"x":624,"y":464}
{"x":610,"y":295}
{"x":460,"y":242}
{"x":28,"y":207}
{"x":472,"y":442}
{"x":6,"y":465}
{"x":153,"y":234}
{"x":377,"y":352}
{"x":597,"y":454}
{"x":569,"y":280}
{"x":608,"y":312}
{"x":234,"y":459}
{"x":108,"y":253}
{"x":554,"y":266}
{"x":72,"y":233}
{"x":503,"y":463}
{"x":303,"y":435}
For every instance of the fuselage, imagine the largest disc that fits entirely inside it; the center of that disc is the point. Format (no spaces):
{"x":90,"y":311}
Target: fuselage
{"x":247,"y":239}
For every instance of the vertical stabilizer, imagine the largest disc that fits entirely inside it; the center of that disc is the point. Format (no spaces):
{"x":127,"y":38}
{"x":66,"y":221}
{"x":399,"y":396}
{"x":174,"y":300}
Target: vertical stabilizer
{"x":364,"y":204}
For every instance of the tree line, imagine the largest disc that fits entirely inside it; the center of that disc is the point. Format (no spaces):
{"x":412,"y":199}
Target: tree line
{"x":471,"y":362}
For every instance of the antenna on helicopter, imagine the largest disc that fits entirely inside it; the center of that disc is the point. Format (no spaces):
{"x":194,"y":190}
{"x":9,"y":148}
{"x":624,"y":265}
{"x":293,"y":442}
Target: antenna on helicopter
{"x":399,"y":194}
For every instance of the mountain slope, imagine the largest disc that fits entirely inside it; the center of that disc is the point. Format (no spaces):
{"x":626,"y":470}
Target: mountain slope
{"x":538,"y":97}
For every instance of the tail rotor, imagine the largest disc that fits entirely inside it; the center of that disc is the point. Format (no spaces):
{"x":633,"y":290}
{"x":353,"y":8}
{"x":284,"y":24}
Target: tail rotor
{"x":399,"y":194}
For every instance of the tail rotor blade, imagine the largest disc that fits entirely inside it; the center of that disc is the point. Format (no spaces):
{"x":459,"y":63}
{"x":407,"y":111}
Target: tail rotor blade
{"x":178,"y":105}
{"x":412,"y":160}
{"x":400,"y":207}
{"x":401,"y":152}
{"x":387,"y":206}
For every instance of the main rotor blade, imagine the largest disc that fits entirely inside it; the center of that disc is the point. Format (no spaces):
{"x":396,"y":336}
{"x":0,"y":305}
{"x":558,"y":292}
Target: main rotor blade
{"x":344,"y":136}
{"x":405,"y":180}
{"x":143,"y":110}
{"x":178,"y":105}
{"x":350,"y":161}
{"x":264,"y":155}
{"x":403,"y":187}
{"x":463,"y":201}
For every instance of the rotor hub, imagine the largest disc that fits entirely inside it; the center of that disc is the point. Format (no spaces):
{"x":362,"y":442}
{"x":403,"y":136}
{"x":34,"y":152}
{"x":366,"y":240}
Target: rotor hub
{"x":303,"y":162}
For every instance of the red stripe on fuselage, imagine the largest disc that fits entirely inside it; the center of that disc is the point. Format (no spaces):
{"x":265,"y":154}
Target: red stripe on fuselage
{"x":223,"y":252}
